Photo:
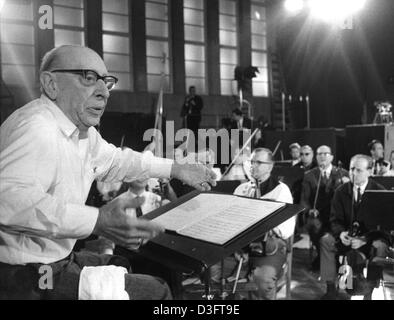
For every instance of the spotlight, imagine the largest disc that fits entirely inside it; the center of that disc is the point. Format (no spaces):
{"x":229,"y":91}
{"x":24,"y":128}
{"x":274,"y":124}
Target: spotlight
{"x":294,"y":5}
{"x":335,"y":10}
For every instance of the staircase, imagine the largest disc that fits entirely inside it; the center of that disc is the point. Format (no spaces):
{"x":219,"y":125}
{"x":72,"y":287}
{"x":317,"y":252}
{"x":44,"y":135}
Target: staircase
{"x":277,"y":86}
{"x":7,"y":101}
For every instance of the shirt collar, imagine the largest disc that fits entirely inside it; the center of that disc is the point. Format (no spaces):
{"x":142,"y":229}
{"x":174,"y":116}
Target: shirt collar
{"x":362,"y":187}
{"x":143,"y":193}
{"x":64,"y":123}
{"x":328,"y":170}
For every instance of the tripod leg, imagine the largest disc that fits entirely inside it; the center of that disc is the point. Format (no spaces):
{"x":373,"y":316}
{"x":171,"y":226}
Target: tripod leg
{"x":223,"y":293}
{"x":207,"y":284}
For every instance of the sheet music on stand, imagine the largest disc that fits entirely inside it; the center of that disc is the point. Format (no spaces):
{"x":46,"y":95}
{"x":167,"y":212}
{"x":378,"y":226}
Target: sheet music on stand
{"x":216,"y":218}
{"x":185,"y":253}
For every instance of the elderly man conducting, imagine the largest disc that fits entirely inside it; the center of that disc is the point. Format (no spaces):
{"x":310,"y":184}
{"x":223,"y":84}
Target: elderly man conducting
{"x":50,"y":153}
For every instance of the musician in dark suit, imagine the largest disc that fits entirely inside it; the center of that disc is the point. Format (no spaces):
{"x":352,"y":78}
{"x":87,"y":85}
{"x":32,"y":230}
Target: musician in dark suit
{"x":317,"y":191}
{"x":347,"y":228}
{"x":306,"y":156}
{"x":239,"y":121}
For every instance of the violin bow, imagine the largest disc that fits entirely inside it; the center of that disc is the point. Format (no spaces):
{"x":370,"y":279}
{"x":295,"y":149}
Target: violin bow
{"x":239,"y":152}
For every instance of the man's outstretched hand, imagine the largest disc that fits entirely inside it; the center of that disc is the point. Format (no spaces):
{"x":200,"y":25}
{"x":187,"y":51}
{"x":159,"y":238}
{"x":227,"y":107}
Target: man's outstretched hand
{"x":196,"y":175}
{"x":114,"y":224}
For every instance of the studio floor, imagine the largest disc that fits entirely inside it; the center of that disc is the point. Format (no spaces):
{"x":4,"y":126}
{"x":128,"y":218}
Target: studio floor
{"x":305,"y":283}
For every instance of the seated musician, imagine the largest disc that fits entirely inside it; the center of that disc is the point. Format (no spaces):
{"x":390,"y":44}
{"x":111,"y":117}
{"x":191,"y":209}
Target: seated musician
{"x":267,"y":256}
{"x":306,"y":159}
{"x":239,"y":121}
{"x":379,"y":165}
{"x":295,"y":149}
{"x":344,"y":238}
{"x":317,"y":191}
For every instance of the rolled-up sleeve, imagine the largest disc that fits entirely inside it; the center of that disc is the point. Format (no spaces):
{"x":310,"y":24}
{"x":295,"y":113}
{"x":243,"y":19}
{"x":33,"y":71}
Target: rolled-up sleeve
{"x":28,"y":178}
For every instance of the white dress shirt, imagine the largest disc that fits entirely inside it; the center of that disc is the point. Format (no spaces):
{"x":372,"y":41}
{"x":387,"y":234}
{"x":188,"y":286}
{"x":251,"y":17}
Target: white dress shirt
{"x":281,"y":193}
{"x":362,"y":190}
{"x":46,"y":173}
{"x":327,"y":171}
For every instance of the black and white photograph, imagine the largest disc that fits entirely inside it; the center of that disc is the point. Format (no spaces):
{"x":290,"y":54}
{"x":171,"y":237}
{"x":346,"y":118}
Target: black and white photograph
{"x":209,"y":153}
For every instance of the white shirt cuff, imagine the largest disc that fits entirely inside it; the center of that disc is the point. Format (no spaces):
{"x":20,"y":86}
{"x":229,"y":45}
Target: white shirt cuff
{"x":159,"y":167}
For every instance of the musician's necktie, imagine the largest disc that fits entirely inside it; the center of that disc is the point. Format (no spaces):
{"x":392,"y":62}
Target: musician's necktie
{"x":325,"y":178}
{"x":375,"y":168}
{"x":138,"y":212}
{"x":358,"y":195}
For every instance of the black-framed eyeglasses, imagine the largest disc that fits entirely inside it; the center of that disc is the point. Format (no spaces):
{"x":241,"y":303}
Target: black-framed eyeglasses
{"x":305,"y":154}
{"x":258,"y":162}
{"x":90,"y":77}
{"x":324,"y":153}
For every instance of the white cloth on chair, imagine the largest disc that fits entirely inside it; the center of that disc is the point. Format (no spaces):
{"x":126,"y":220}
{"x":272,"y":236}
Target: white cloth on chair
{"x":102,"y":283}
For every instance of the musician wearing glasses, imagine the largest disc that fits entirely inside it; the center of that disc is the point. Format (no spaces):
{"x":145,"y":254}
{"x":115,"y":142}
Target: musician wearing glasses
{"x":347,"y":230}
{"x":50,"y":153}
{"x":318,"y":188}
{"x":307,"y":161}
{"x":266,"y":257}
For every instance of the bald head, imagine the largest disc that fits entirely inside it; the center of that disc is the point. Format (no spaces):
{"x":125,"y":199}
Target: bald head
{"x":64,"y":79}
{"x":73,"y":57}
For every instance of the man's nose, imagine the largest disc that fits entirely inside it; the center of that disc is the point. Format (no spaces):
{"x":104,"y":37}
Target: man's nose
{"x":102,"y":89}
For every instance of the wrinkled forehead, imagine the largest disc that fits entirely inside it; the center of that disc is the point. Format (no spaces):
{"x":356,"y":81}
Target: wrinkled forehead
{"x":359,"y":163}
{"x":261,"y":156}
{"x":306,"y":149}
{"x":79,"y":58}
{"x":324,"y":149}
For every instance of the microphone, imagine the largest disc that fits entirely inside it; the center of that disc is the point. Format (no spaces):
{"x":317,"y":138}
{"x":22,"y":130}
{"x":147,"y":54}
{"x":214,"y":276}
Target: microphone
{"x":339,"y":164}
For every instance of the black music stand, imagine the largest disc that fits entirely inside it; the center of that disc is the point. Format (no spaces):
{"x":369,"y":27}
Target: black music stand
{"x":185,"y":254}
{"x":377,"y":210}
{"x":226,"y":186}
{"x":387,"y":182}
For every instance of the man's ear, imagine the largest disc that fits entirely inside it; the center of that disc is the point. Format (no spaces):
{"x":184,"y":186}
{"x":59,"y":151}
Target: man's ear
{"x":49,"y":85}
